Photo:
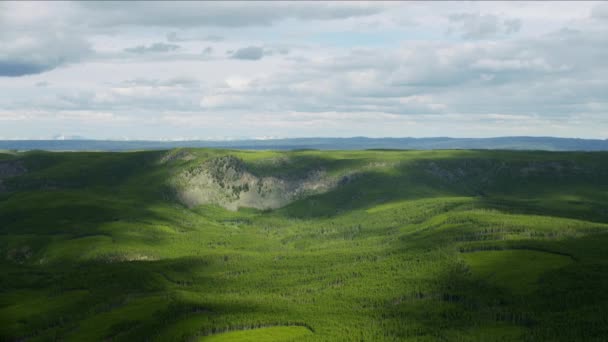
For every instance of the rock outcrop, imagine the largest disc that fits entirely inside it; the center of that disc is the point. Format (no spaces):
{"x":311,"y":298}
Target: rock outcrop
{"x":227,"y":182}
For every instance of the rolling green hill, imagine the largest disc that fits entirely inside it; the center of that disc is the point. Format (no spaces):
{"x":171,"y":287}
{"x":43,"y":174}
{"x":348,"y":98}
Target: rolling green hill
{"x":228,"y":245}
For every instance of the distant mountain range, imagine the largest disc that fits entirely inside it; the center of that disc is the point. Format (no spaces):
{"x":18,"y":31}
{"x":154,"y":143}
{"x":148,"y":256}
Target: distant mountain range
{"x":354,"y":143}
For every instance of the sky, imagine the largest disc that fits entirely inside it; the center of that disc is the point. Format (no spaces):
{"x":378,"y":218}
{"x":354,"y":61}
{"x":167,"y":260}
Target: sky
{"x":232,"y":70}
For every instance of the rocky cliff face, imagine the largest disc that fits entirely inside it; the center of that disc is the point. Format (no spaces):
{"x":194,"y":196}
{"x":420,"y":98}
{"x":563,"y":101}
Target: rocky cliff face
{"x":226,"y":181}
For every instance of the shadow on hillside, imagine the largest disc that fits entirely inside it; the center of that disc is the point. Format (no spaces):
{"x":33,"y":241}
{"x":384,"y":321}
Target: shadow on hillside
{"x":180,"y":305}
{"x":295,"y":165}
{"x":559,"y":187}
{"x":372,"y":188}
{"x":457,"y":306}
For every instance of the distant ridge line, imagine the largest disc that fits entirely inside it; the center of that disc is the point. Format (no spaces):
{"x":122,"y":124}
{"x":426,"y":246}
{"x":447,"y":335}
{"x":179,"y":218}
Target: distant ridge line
{"x":353,"y":143}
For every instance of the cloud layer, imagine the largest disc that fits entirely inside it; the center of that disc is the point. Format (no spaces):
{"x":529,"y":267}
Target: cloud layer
{"x":212,"y":70}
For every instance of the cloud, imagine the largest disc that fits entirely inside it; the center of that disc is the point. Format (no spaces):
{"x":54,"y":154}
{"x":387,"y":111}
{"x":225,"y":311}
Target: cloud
{"x":331,"y":70}
{"x":600,"y":11}
{"x":153,"y":48}
{"x":222,"y":14}
{"x":542,"y":76}
{"x":182,"y":81}
{"x":20,"y":68}
{"x":179,"y":93}
{"x":213,"y":38}
{"x":512,"y":25}
{"x":173,"y":37}
{"x":35,"y":41}
{"x":22,"y":55}
{"x":482,"y":26}
{"x":276,"y":50}
{"x":500,"y":65}
{"x":251,"y":53}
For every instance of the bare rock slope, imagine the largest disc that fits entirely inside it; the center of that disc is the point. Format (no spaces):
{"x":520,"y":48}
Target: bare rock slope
{"x":227,"y":182}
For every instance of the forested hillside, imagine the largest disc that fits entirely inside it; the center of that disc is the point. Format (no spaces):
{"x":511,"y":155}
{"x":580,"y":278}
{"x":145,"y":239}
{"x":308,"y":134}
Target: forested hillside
{"x":305,"y":245}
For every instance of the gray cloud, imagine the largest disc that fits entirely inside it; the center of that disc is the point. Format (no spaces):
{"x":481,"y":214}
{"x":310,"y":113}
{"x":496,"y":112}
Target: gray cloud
{"x":512,"y":25}
{"x":251,"y":53}
{"x":34,"y":54}
{"x":213,"y":38}
{"x":224,"y":14}
{"x":49,"y":37}
{"x":153,"y":48}
{"x":20,"y":68}
{"x":174,"y":37}
{"x":600,"y":11}
{"x":183,"y":81}
{"x":276,"y":50}
{"x":482,"y":26}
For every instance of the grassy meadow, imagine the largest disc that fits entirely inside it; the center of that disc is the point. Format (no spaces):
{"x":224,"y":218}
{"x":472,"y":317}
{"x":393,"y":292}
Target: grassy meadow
{"x":457,"y":245}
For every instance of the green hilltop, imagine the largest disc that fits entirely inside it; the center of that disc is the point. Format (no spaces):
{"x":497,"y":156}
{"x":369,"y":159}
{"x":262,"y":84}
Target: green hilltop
{"x":233,"y":245}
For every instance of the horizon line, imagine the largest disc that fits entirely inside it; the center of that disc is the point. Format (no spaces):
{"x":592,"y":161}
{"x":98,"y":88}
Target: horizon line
{"x":235,"y":139}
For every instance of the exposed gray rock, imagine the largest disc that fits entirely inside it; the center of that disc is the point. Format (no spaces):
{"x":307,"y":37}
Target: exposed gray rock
{"x":227,"y":182}
{"x":176,"y":155}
